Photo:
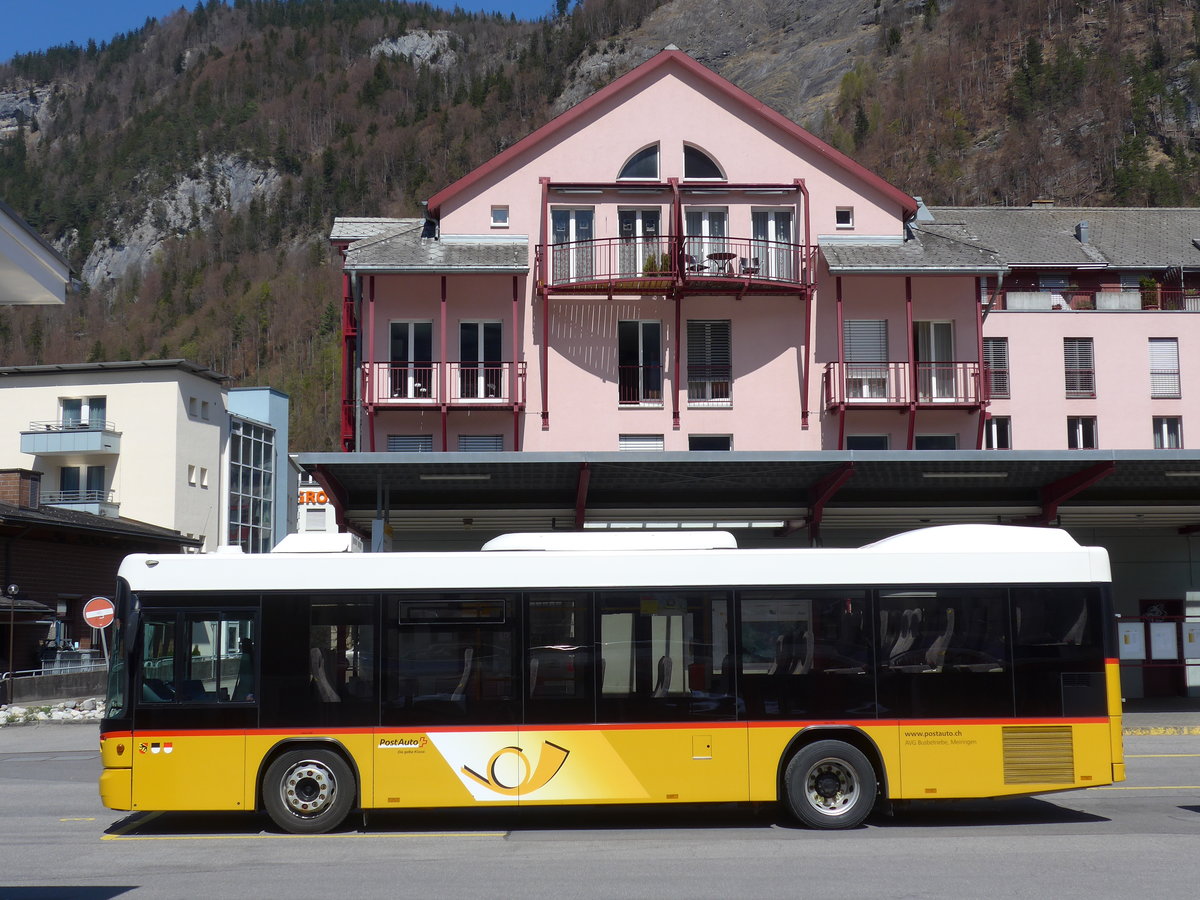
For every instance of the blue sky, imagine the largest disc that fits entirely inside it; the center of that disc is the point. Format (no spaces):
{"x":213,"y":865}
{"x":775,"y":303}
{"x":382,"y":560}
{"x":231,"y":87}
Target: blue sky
{"x":37,"y":24}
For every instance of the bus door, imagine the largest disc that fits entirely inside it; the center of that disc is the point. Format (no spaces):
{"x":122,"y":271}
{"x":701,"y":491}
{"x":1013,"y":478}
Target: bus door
{"x":665,"y":714}
{"x":195,"y":698}
{"x":451,"y":701}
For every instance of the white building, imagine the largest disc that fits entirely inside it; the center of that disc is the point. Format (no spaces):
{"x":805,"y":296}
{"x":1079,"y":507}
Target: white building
{"x":161,"y":441}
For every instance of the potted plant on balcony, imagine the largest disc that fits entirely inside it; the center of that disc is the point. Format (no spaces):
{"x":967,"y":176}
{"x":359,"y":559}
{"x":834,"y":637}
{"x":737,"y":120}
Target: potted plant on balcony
{"x":1150,"y":296}
{"x":1078,"y":298}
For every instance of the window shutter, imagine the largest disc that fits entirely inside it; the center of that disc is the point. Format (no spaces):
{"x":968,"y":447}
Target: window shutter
{"x":709,"y":348}
{"x":481,"y":443}
{"x":1054,"y":283}
{"x":995,"y":358}
{"x":1164,"y":367}
{"x":865,"y":340}
{"x":410,"y":443}
{"x":641,"y":442}
{"x":1080,"y":365}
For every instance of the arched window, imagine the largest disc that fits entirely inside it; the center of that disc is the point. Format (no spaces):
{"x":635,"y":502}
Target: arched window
{"x":643,"y":165}
{"x":698,"y":164}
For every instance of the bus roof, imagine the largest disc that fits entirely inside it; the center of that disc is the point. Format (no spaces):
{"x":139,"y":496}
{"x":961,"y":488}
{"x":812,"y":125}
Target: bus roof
{"x":951,"y":554}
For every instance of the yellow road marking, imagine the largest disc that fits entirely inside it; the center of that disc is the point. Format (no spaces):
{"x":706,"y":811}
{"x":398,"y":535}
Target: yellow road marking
{"x":1160,"y":755}
{"x":1145,"y":731}
{"x":129,"y":826}
{"x":286,"y":837}
{"x":80,"y":819}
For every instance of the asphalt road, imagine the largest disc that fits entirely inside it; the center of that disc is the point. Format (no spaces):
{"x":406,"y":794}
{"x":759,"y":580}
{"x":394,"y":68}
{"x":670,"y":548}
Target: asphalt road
{"x":1139,"y":839}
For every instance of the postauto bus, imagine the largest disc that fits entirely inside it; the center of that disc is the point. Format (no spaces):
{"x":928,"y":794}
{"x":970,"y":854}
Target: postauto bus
{"x":616,"y":668}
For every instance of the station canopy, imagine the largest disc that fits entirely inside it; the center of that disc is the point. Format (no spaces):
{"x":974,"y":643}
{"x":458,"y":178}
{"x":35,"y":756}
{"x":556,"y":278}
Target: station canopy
{"x":782,"y":493}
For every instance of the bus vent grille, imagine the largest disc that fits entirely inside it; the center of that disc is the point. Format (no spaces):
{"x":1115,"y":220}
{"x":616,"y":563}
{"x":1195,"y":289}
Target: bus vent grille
{"x":1039,"y":755}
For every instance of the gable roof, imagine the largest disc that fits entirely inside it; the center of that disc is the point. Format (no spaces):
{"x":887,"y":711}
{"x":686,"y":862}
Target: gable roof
{"x":403,"y":249}
{"x":1125,"y":238}
{"x":663,"y":60}
{"x":31,"y":271}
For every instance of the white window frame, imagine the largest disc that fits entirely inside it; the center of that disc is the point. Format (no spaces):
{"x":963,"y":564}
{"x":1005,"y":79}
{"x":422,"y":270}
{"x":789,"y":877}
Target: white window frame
{"x":644,"y":387}
{"x":997,"y":433}
{"x":845,"y":213}
{"x":1168,"y":432}
{"x":710,"y":383}
{"x":865,"y":342}
{"x":1077,"y":433}
{"x":773,"y":242}
{"x":410,"y":379}
{"x":640,"y":443}
{"x":706,"y":230}
{"x":500,"y":215}
{"x":657,"y":164}
{"x":577,"y":262}
{"x":481,"y":378}
{"x":1080,"y":378}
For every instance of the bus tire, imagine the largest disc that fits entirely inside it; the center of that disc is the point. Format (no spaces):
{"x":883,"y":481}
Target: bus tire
{"x":308,"y":791}
{"x":830,"y":784}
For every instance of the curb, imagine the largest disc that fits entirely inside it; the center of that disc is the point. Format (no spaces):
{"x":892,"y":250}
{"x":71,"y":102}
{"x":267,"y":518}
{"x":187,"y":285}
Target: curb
{"x":1148,"y":730}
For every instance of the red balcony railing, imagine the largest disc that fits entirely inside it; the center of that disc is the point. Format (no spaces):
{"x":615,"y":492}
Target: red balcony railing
{"x":467,"y":383}
{"x":893,"y":383}
{"x":1130,"y":300}
{"x":655,"y":264}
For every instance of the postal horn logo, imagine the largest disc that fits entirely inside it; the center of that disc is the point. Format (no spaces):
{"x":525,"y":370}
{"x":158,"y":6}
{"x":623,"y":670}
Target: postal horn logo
{"x":509,"y":771}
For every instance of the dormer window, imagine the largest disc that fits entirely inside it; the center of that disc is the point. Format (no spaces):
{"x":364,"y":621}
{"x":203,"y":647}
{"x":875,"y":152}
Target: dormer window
{"x":699,"y":165}
{"x":642,"y":166}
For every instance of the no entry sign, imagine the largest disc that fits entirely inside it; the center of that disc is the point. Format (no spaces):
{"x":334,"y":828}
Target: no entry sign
{"x":99,"y":612}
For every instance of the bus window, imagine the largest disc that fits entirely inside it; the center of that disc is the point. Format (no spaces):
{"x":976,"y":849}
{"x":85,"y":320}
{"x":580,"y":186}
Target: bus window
{"x":664,"y":655}
{"x":944,"y":652}
{"x":212,"y":663}
{"x":559,"y":672}
{"x":451,"y":659}
{"x":1058,"y":652}
{"x":806,"y":653}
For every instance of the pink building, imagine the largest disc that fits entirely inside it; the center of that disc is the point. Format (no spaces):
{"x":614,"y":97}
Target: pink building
{"x":671,"y":265}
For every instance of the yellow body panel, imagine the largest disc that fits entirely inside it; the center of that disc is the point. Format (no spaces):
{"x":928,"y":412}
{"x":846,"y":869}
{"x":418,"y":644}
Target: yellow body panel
{"x":116,"y":788}
{"x":692,"y":763}
{"x":189,"y":771}
{"x":1112,"y":677}
{"x":116,"y":751}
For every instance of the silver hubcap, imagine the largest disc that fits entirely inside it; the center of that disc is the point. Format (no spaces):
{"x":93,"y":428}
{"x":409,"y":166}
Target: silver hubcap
{"x":308,"y":789}
{"x":831,"y":787}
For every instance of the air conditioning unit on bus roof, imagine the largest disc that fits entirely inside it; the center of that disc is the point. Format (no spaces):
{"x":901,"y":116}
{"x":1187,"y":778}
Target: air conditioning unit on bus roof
{"x":622,"y":541}
{"x":320,"y":542}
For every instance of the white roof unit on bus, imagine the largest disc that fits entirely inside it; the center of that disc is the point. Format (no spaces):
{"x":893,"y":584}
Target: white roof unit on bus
{"x":631,"y":541}
{"x":320,"y":542}
{"x":952,"y":554}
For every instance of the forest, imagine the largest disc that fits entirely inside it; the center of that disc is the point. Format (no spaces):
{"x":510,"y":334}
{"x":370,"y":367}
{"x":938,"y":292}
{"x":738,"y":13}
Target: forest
{"x":962,"y":103}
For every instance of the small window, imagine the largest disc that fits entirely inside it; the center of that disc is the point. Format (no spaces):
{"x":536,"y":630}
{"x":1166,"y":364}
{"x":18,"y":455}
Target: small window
{"x":204,"y":410}
{"x":640,"y":442}
{"x":643,"y":165}
{"x":1081,"y":433}
{"x":193,"y":406}
{"x":1168,"y":432}
{"x":843,"y":217}
{"x":499,"y":216}
{"x":480,"y":443}
{"x":314,"y":519}
{"x":936,"y":442}
{"x":192,"y":475}
{"x":699,"y":165}
{"x":710,"y":442}
{"x":997,"y":433}
{"x":866,"y":442}
{"x":995,"y":361}
{"x":198,"y":658}
{"x":204,"y":477}
{"x":410,"y":443}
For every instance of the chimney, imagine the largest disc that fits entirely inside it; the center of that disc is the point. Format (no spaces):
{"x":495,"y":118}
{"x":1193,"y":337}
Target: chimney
{"x":21,"y":488}
{"x":1081,"y":231}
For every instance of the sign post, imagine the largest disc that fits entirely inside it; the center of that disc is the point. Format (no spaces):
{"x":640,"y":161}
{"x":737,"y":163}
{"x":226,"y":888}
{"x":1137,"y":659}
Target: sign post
{"x":99,"y":612}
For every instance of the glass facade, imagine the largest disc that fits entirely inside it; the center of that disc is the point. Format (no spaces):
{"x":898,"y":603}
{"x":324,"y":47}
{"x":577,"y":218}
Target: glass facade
{"x":251,"y":486}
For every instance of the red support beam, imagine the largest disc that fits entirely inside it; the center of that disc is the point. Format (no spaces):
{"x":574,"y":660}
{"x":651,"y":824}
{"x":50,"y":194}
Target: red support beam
{"x":676,"y":375}
{"x":818,"y":498}
{"x":369,"y":391}
{"x":841,"y":366}
{"x":337,"y":495}
{"x":542,"y":279}
{"x":912,"y":364}
{"x":581,"y":494}
{"x":444,"y":375}
{"x":516,"y":351}
{"x":1057,"y":493}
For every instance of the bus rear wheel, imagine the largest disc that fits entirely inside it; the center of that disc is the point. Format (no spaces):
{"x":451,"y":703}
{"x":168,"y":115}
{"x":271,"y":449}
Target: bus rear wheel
{"x":308,"y":791}
{"x":830,"y":784}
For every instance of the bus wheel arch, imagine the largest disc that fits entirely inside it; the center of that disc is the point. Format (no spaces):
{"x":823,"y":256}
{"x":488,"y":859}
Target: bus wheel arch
{"x":308,"y":786}
{"x":831,"y":777}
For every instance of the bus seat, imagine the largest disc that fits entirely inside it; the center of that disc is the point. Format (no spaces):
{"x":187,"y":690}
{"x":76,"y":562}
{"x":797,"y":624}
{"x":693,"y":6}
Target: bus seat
{"x":460,"y":691}
{"x":804,"y":665}
{"x":935,"y":656}
{"x":1075,"y":634}
{"x":325,"y":691}
{"x":663,"y":686}
{"x":533,"y":671}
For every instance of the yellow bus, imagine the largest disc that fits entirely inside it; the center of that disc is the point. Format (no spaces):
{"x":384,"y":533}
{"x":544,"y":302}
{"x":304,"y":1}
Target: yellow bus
{"x":617,"y":668}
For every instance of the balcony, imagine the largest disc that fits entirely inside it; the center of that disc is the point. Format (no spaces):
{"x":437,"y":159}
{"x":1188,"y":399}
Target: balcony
{"x":71,"y":438}
{"x":657,"y":265}
{"x":1112,"y":301}
{"x":462,"y":385}
{"x":884,"y":385}
{"x":98,"y":503}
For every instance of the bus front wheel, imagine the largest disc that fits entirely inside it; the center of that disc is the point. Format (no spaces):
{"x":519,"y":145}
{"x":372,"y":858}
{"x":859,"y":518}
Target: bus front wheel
{"x":830,"y":784}
{"x":308,"y":791}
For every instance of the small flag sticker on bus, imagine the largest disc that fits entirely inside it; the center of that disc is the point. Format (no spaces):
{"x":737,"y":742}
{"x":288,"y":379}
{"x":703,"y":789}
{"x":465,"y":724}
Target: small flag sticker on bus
{"x":157,"y":748}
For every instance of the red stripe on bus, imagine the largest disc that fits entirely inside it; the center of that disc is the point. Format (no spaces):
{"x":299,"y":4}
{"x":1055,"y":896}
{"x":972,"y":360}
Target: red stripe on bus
{"x":698,"y":725}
